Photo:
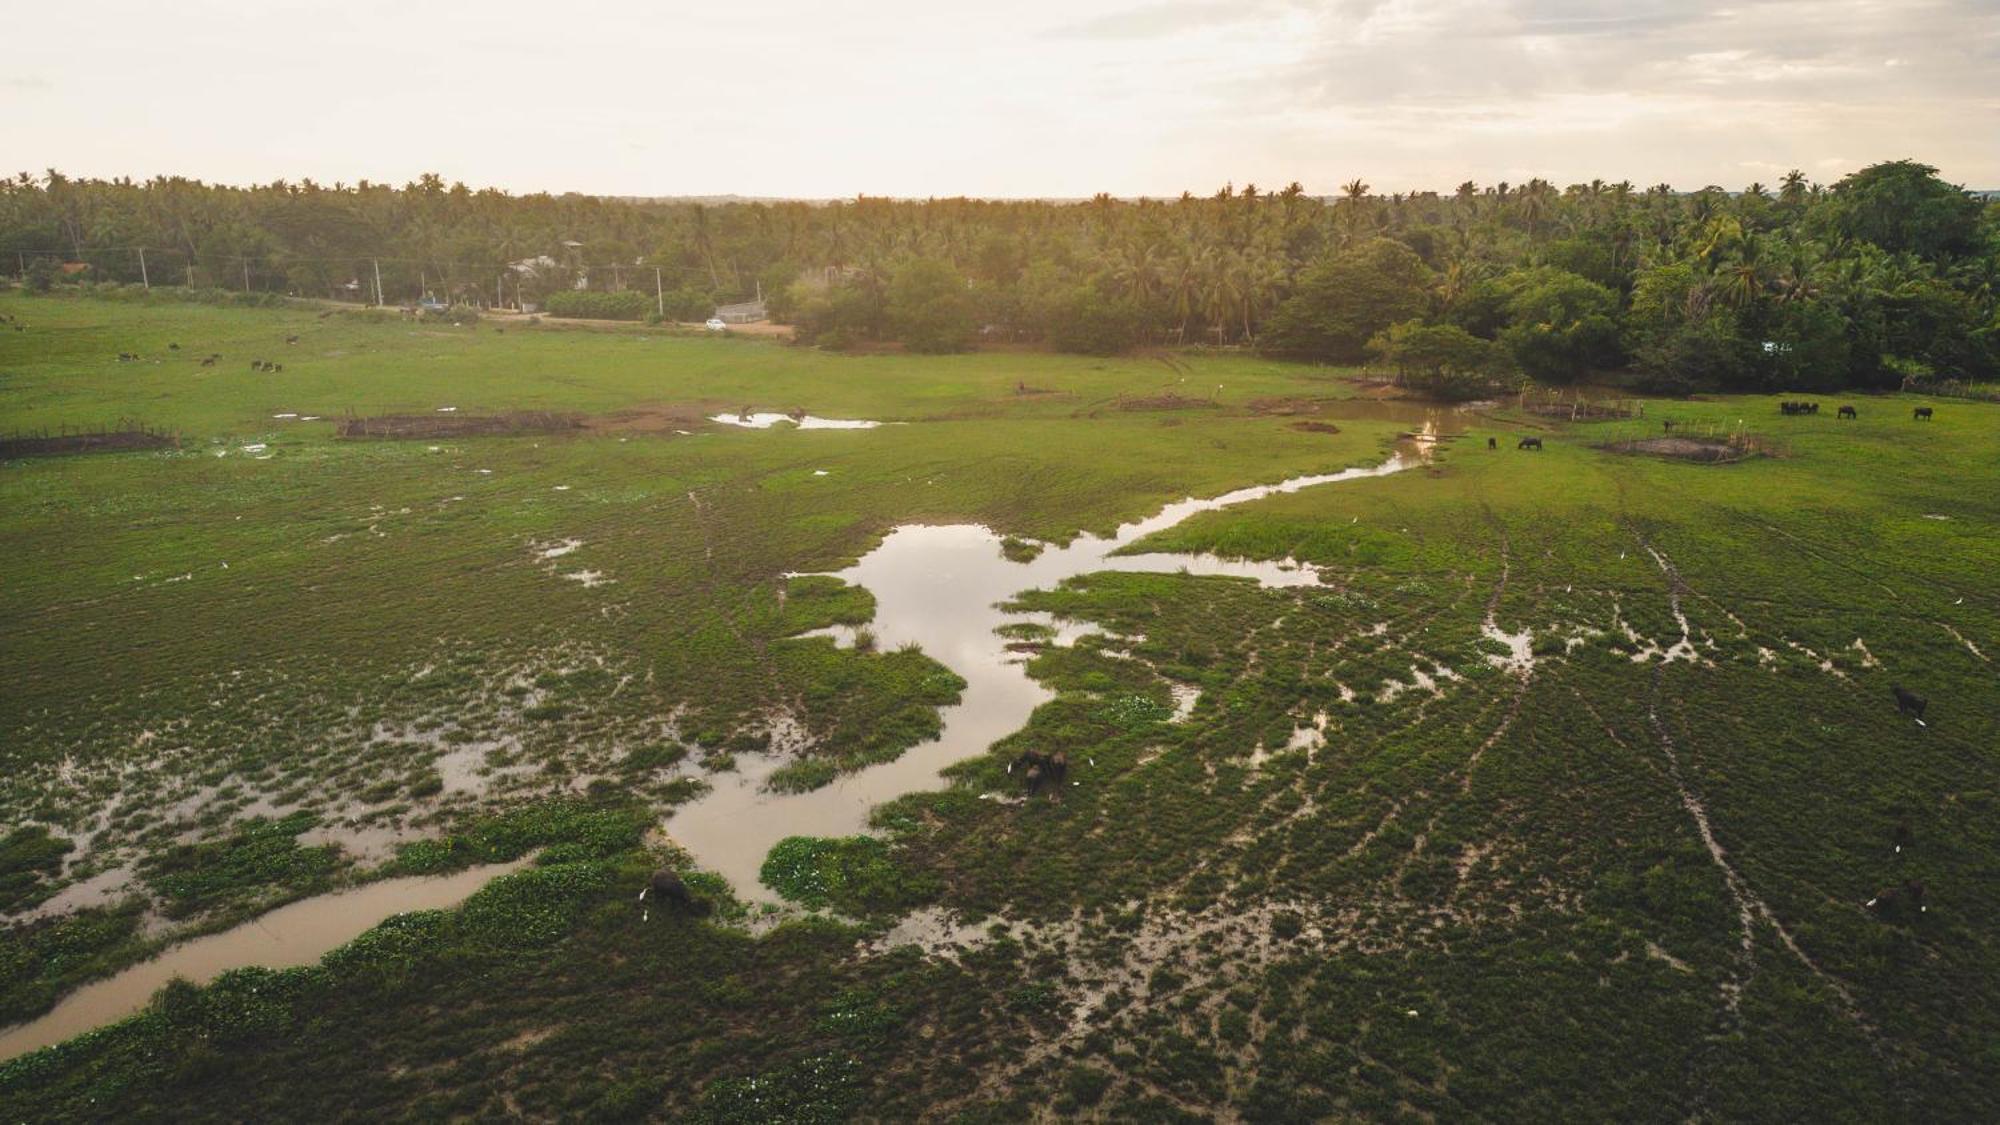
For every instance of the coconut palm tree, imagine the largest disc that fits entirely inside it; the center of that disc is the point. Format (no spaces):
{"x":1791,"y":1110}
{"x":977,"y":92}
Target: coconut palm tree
{"x":1792,"y":188}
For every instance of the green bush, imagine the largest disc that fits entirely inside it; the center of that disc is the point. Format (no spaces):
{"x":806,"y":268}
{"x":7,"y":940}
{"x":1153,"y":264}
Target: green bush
{"x":26,"y":856}
{"x":855,"y":874}
{"x":628,"y":304}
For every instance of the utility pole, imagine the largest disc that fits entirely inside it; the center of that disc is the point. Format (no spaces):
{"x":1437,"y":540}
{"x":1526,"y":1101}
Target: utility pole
{"x":499,"y":298}
{"x":378,"y":282}
{"x":660,"y":292}
{"x":190,"y":271}
{"x":246,"y":275}
{"x":143,"y":278}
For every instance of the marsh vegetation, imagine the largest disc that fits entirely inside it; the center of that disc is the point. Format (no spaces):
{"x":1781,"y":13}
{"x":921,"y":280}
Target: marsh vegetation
{"x":1556,"y":785}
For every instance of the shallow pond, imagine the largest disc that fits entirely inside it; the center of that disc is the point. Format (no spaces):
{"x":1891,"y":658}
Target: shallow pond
{"x":298,"y":934}
{"x":941,"y":588}
{"x":764,"y":421}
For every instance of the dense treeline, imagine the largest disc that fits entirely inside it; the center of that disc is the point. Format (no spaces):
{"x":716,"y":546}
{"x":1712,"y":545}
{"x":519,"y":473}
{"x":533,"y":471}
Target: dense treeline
{"x":1887,"y":274}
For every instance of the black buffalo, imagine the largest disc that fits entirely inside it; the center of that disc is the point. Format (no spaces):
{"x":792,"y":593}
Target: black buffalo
{"x":1906,"y":901}
{"x":1849,"y":412}
{"x":669,"y":889}
{"x":1909,"y":702}
{"x":1529,"y":443}
{"x":1041,"y":772}
{"x":1921,"y":414}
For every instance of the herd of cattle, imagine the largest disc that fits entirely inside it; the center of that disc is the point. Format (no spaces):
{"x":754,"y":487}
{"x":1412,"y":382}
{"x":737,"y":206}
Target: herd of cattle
{"x":208,"y":360}
{"x":1918,"y":413}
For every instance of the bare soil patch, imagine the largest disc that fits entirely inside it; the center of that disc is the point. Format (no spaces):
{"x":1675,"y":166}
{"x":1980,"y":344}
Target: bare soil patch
{"x":1286,"y":407}
{"x":1705,"y":450}
{"x":1585,"y":410}
{"x":1168,"y":401}
{"x":94,"y":441}
{"x":1316,"y":427}
{"x":676,"y":417}
{"x":408,"y":426}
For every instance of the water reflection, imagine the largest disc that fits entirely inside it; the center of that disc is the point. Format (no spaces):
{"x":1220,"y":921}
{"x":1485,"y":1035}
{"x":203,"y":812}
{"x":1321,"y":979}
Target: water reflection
{"x":299,"y":934}
{"x":940,"y":588}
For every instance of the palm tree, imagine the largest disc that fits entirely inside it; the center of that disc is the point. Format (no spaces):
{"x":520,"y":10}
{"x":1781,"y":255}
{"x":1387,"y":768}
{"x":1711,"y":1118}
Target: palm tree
{"x":1792,"y":189}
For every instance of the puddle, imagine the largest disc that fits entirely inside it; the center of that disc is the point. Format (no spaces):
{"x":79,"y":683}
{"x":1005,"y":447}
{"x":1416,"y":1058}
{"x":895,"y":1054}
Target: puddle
{"x":299,"y":934}
{"x":1435,"y":419}
{"x":804,"y":422}
{"x":940,"y":588}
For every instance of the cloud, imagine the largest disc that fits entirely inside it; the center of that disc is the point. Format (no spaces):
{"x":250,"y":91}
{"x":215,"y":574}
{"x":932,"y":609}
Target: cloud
{"x":1170,"y":17}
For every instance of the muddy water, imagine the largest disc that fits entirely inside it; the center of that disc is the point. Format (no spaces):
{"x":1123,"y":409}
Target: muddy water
{"x":299,"y":934}
{"x":764,"y":421}
{"x":1444,"y":420}
{"x":940,"y":589}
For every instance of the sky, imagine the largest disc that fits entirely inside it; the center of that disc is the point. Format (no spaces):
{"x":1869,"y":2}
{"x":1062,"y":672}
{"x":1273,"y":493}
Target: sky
{"x":1029,"y":98}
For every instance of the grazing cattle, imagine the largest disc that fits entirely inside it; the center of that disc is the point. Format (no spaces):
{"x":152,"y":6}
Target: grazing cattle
{"x":291,"y":339}
{"x":256,"y":365}
{"x":1492,"y":443}
{"x":209,"y":362}
{"x":666,"y":886}
{"x":1921,"y":414}
{"x":1529,"y":443}
{"x":1905,"y":901}
{"x":1849,"y":412}
{"x":1667,"y":426}
{"x":173,"y":347}
{"x":796,"y":414}
{"x":277,"y":367}
{"x":743,"y":415}
{"x":1909,"y":702}
{"x":1902,"y":837}
{"x":1040,"y":772}
{"x":1056,"y":775}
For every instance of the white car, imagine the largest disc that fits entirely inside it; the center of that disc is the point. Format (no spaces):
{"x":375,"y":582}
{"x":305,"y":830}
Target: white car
{"x":715,"y":324}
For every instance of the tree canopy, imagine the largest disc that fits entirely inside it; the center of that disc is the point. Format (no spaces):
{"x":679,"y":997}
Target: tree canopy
{"x":1889,"y":272}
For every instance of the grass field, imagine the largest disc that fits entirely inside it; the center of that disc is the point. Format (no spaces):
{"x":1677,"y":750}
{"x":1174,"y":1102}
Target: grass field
{"x":1386,"y":867}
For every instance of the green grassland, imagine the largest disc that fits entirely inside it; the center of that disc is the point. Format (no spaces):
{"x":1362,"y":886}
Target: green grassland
{"x":1621,"y":880}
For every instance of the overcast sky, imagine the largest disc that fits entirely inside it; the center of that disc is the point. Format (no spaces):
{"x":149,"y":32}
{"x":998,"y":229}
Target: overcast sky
{"x":824,"y":98}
